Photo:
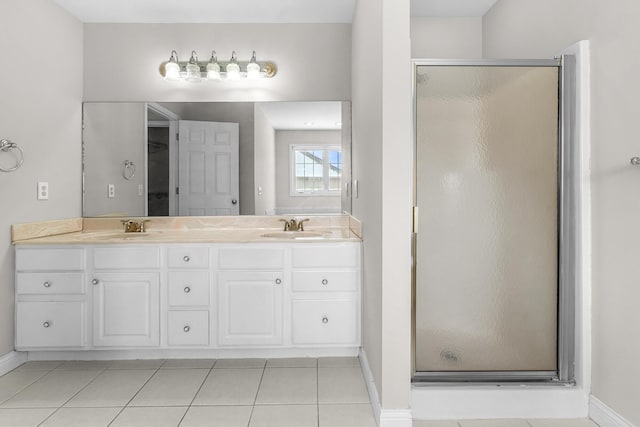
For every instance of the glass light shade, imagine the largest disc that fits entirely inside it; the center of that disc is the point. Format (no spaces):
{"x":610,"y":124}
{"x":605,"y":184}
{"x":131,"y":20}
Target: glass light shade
{"x":213,"y":71}
{"x":193,"y":72}
{"x":171,"y":71}
{"x":253,"y":71}
{"x":193,"y":69}
{"x":233,"y":71}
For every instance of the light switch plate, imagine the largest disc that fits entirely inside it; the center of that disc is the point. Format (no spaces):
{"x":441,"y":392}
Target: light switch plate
{"x":43,"y":190}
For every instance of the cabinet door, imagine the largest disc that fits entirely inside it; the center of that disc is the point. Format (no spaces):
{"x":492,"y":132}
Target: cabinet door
{"x":126,"y":309}
{"x":250,"y":308}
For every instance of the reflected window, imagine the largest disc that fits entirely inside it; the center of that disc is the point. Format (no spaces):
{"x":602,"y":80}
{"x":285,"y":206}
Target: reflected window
{"x":315,"y":170}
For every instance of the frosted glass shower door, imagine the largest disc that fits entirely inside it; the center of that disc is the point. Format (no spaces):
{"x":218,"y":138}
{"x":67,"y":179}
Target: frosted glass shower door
{"x":487,"y":243}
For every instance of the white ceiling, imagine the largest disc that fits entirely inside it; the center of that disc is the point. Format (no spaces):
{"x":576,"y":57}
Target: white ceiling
{"x":303,"y":115}
{"x":250,"y":11}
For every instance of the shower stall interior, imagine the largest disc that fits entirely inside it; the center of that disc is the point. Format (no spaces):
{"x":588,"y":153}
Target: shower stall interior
{"x":492,"y":245}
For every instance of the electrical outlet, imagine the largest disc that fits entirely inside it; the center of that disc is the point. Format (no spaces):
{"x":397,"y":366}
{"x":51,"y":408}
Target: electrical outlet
{"x":111,"y":191}
{"x":43,"y":190}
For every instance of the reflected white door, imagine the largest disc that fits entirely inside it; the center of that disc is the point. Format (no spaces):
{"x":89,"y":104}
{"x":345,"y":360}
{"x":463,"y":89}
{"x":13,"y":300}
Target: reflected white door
{"x":209,"y":177}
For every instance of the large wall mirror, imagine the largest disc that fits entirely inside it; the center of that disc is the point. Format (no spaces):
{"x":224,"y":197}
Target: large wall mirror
{"x":216,"y":158}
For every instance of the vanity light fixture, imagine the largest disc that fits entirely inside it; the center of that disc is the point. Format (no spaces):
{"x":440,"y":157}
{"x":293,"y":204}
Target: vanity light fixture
{"x":213,"y":68}
{"x":170,"y":70}
{"x":193,"y":68}
{"x":233,"y":69}
{"x":195,"y":71}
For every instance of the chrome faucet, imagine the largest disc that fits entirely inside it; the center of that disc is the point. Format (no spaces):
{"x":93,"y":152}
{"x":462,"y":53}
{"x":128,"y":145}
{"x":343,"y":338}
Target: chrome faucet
{"x":131,"y":226}
{"x":294,"y":224}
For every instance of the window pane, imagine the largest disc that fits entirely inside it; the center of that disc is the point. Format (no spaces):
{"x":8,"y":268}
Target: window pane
{"x":309,"y":168}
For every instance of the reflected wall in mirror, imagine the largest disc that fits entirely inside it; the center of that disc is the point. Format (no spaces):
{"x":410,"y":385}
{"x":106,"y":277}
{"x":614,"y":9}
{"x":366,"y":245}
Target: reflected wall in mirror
{"x":216,"y":158}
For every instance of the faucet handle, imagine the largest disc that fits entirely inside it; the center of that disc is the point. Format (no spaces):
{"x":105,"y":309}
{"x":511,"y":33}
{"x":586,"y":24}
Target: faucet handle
{"x":301,"y":224}
{"x":286,"y":224}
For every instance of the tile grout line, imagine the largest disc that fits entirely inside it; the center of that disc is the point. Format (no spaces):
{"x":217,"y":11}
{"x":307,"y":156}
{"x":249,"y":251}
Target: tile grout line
{"x":196,"y":393}
{"x":255,"y":399}
{"x":26,"y":385}
{"x":74,"y":395}
{"x":126,"y":405}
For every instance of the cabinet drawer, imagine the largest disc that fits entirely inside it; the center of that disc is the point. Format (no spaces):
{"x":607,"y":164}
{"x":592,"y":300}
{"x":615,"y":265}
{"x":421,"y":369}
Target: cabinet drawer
{"x":251,"y":258}
{"x":126,"y":258}
{"x":325,"y":256}
{"x":317,"y":281}
{"x":50,"y":259}
{"x":188,"y":288}
{"x":49,"y":283}
{"x":188,"y":257}
{"x":49,"y":324}
{"x":188,"y":328}
{"x":325,"y":322}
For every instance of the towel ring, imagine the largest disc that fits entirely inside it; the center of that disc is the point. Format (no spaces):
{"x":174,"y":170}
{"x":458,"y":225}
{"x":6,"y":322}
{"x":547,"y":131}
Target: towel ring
{"x":7,"y":146}
{"x":128,"y":170}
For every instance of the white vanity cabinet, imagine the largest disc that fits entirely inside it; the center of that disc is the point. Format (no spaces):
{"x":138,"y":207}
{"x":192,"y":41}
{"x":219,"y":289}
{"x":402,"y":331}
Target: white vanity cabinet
{"x":188,"y":296}
{"x":326,"y":295}
{"x":50,"y":298}
{"x":250,"y":284}
{"x":126,"y":296}
{"x":238,"y":300}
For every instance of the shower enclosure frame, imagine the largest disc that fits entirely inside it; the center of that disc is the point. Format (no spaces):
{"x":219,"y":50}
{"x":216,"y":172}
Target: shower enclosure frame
{"x":568,"y":211}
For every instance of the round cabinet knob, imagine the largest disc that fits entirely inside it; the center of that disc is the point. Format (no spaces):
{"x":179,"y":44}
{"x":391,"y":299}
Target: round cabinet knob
{"x":46,"y":324}
{"x":47,"y":284}
{"x":234,"y":202}
{"x":187,"y":289}
{"x":325,"y":319}
{"x":186,"y":328}
{"x":186,"y":258}
{"x":278,"y":281}
{"x":325,"y":282}
{"x":95,"y":281}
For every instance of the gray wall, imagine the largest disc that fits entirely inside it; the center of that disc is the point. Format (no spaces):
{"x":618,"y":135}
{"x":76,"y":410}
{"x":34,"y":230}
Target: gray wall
{"x":113,"y":133}
{"x":265,"y":163}
{"x":540,"y":29}
{"x":122,"y":60}
{"x":41,"y":110}
{"x":286,"y":202}
{"x":446,"y":37}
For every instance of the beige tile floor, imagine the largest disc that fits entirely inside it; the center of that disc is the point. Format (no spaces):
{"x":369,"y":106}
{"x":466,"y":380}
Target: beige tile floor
{"x":326,"y":392}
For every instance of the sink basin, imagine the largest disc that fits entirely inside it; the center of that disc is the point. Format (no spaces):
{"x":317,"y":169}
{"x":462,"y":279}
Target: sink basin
{"x":294,"y":235}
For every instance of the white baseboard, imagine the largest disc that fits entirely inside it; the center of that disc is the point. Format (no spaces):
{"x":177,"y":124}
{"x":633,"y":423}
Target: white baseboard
{"x":371,"y":385}
{"x":383,"y":417}
{"x":11,"y":361}
{"x":605,"y":416}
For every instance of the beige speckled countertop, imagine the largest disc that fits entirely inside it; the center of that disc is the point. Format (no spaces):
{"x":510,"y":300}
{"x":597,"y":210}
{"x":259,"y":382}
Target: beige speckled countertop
{"x":187,"y":230}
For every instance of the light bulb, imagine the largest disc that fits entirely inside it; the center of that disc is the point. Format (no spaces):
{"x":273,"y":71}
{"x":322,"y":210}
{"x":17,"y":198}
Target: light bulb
{"x":193,"y":69}
{"x":253,"y":69}
{"x":233,"y":69}
{"x":171,"y":67}
{"x":213,"y":68}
